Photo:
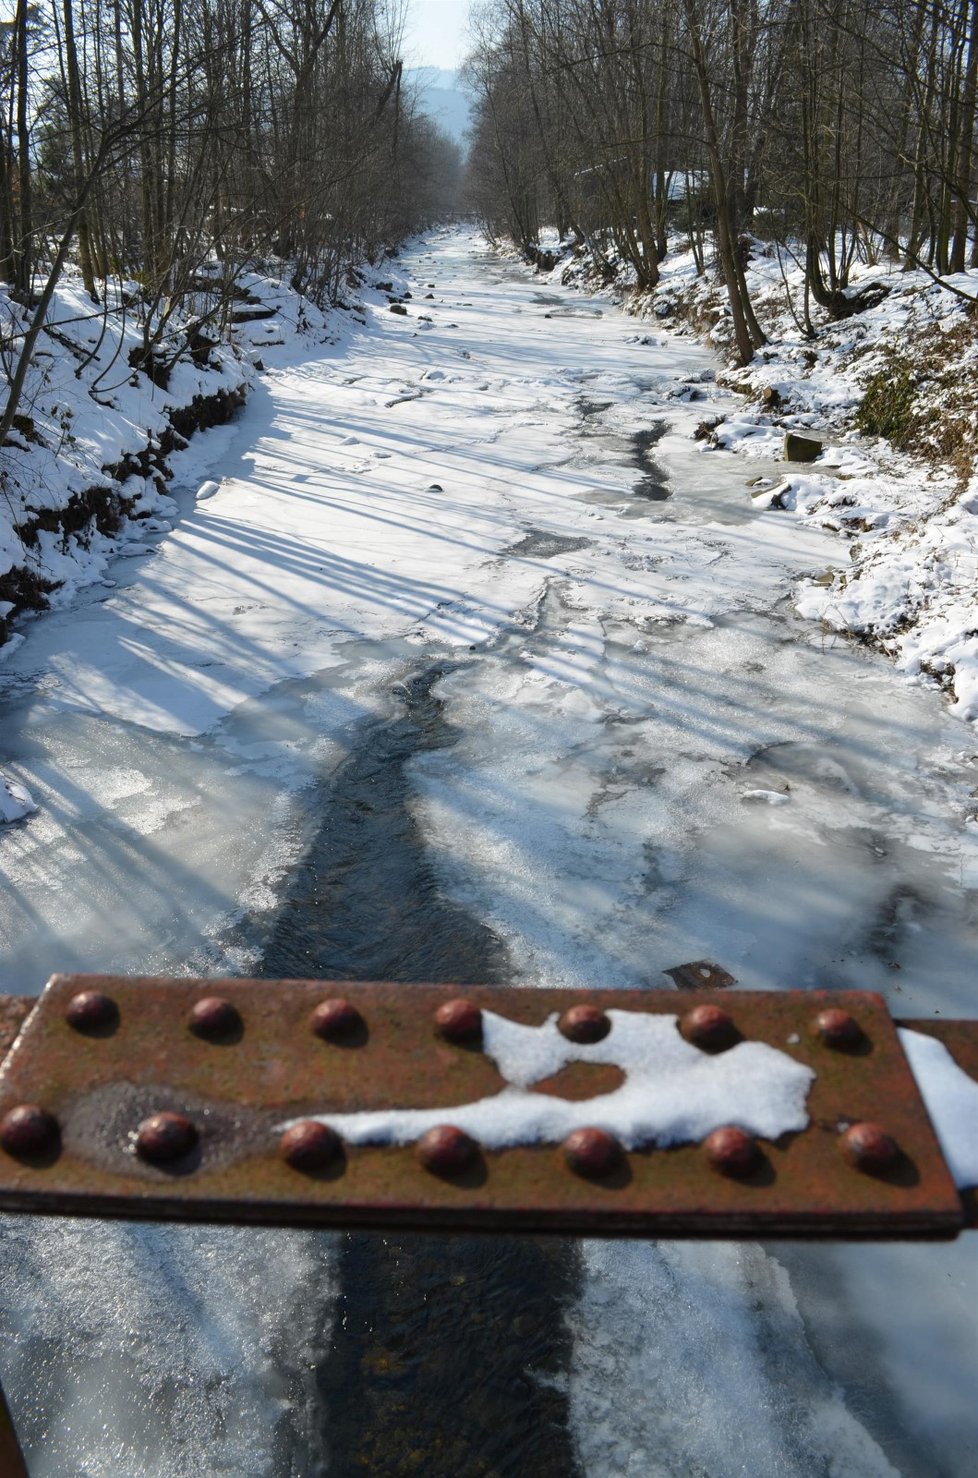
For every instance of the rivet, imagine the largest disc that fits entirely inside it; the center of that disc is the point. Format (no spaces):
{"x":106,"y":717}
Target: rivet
{"x":592,"y":1152}
{"x":335,"y":1019}
{"x":165,"y":1136}
{"x":28,"y":1130}
{"x":459,"y":1020}
{"x":446,"y":1150}
{"x":709,"y":1027}
{"x":837,"y":1028}
{"x":91,"y":1011}
{"x":584,"y":1024}
{"x":731,"y":1151}
{"x":214,"y":1017}
{"x":868,"y":1147}
{"x":310,"y":1145}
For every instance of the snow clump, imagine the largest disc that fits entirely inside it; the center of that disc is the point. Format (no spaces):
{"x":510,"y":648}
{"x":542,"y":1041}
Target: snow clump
{"x":16,"y":801}
{"x":672,"y":1094}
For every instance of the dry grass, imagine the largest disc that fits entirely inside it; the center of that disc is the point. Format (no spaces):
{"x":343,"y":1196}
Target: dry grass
{"x":926,"y":402}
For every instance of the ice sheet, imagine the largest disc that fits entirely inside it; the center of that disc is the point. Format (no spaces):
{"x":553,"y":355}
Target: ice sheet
{"x":617,"y":683}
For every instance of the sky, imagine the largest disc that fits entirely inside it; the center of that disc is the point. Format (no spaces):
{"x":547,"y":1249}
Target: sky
{"x":435,"y":33}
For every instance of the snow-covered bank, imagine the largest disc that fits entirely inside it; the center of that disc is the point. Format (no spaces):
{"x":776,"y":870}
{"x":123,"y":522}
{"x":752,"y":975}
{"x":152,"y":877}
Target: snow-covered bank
{"x":893,"y":394}
{"x":99,"y":440}
{"x":83,"y":471}
{"x":104,"y":461}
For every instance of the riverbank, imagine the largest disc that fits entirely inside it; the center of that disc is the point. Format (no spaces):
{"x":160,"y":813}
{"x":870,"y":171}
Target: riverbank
{"x":84,"y":470}
{"x":892,"y":392}
{"x":103,"y":437}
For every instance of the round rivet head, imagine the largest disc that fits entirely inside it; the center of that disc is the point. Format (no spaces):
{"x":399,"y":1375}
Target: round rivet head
{"x":91,"y":1011}
{"x":165,"y":1136}
{"x":446,"y":1150}
{"x":868,"y":1147}
{"x":732,"y":1151}
{"x":214,"y":1017}
{"x":28,"y":1130}
{"x":592,"y":1152}
{"x":459,"y":1020}
{"x":584,"y":1024}
{"x":334,"y":1019}
{"x":310,"y":1146}
{"x":709,"y":1027}
{"x":837,"y":1028}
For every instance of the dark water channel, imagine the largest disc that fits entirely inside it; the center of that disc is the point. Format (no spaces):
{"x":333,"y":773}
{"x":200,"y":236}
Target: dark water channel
{"x":652,"y":484}
{"x":448,"y":1352}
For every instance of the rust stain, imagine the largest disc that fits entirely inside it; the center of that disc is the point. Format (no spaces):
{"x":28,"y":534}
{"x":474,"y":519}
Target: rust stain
{"x":581,"y":1080}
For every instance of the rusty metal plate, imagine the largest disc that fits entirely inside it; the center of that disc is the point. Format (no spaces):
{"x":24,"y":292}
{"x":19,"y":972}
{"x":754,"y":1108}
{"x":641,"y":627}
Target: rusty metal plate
{"x":266,"y":1065}
{"x":12,"y":1463}
{"x":14,"y":1011}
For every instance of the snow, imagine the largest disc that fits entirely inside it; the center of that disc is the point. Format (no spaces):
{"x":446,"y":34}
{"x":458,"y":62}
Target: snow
{"x":85,"y":413}
{"x":190,"y":1319}
{"x":672,"y":1094}
{"x":951,"y":1098}
{"x":766,"y":797}
{"x":907,"y":581}
{"x":697,"y":1358}
{"x":16,"y":800}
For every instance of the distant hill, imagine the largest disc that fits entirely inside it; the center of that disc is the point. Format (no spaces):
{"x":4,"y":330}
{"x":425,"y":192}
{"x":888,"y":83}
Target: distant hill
{"x":443,"y":99}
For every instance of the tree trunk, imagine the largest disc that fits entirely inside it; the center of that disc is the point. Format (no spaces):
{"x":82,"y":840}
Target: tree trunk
{"x":23,"y":239}
{"x":726,"y":227}
{"x":964,"y":214}
{"x":75,"y":124}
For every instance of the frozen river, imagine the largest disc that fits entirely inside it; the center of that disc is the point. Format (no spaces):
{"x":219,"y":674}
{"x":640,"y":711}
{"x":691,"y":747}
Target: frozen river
{"x":479,"y":667}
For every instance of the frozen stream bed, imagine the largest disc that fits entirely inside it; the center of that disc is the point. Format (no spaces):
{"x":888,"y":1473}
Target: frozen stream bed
{"x":477,"y":666}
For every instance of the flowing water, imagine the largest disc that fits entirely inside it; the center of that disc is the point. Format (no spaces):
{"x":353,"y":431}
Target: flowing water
{"x":364,"y":904}
{"x":500,"y":709}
